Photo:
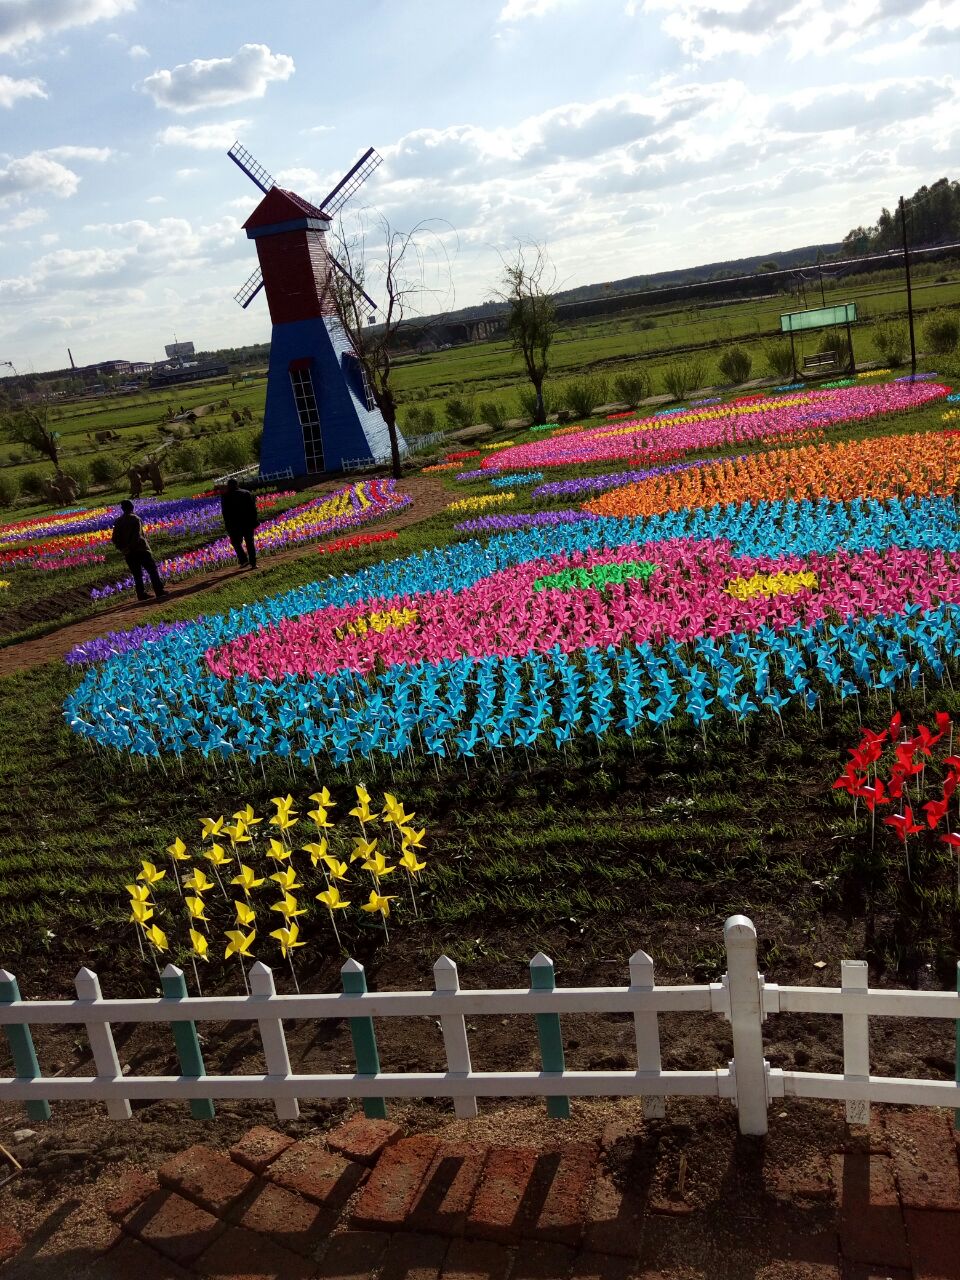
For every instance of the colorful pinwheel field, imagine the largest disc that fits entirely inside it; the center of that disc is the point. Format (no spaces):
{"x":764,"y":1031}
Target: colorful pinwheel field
{"x":613,"y":669}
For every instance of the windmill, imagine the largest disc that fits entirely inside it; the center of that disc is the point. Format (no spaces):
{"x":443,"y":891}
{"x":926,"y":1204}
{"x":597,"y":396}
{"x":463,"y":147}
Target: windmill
{"x":319,"y":410}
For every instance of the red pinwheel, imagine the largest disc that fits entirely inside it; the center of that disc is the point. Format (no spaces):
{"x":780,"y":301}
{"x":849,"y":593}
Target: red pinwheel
{"x":850,"y":780}
{"x":935,"y":810}
{"x":872,"y":796}
{"x":903,"y":823}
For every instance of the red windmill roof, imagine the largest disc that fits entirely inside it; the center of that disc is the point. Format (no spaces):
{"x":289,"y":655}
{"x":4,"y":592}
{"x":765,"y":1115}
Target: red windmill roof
{"x":281,"y":206}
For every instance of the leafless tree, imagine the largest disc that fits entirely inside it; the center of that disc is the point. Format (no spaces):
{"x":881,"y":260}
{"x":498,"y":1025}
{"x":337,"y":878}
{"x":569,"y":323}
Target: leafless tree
{"x":526,"y":288}
{"x":30,"y":425}
{"x":406,"y":270}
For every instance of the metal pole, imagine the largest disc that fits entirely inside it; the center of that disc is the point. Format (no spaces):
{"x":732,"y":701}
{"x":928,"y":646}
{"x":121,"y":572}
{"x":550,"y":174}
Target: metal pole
{"x":906,"y":267}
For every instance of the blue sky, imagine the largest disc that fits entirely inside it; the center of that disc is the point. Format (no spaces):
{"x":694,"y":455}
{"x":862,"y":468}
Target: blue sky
{"x":627,"y":135}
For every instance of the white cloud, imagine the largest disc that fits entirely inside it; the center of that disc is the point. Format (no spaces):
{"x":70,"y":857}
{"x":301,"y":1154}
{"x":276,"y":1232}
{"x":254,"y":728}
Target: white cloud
{"x":12,"y":90}
{"x":183,"y":174}
{"x":850,"y":107}
{"x":319,"y":128}
{"x":24,"y":219}
{"x":23,"y":21}
{"x":98,"y":154}
{"x":219,"y":82}
{"x":210,"y":136}
{"x":156,"y":200}
{"x":138,"y":51}
{"x":517,"y":10}
{"x":36,"y":174}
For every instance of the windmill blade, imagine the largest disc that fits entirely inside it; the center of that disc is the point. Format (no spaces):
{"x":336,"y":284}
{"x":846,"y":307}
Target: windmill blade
{"x":351,"y":182}
{"x":359,"y":288}
{"x":249,"y":289}
{"x":255,"y":171}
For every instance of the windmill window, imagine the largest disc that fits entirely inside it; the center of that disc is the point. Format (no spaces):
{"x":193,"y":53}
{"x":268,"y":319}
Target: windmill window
{"x":357,"y":376}
{"x":305,"y":399}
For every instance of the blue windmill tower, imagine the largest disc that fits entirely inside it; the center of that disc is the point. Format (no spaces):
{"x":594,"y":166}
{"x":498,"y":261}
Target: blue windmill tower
{"x":320,"y":411}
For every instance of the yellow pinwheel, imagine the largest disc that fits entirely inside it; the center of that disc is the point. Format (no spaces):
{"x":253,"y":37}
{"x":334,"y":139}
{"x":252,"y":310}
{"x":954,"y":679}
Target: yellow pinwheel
{"x":284,"y":820}
{"x":337,"y":869}
{"x":363,"y":813}
{"x":277,"y":851}
{"x":287,"y":937}
{"x":199,"y":943}
{"x":238,"y":833}
{"x":283,"y":803}
{"x":331,"y":899}
{"x":239,"y":943}
{"x":247,"y":879}
{"x":363,"y":849}
{"x":393,"y":811}
{"x":149,"y":873}
{"x":377,"y":866}
{"x":196,"y":907}
{"x":378,"y":902}
{"x":140,"y":912}
{"x":245,"y":914}
{"x":247,"y":816}
{"x":320,"y":819}
{"x":408,"y":861}
{"x":288,"y":907}
{"x":198,"y":881}
{"x":217,"y":855}
{"x":211,"y":827}
{"x":411,"y":839}
{"x":138,"y":892}
{"x":287,"y":879}
{"x":323,"y":799}
{"x":316,"y":850}
{"x":157,"y":938}
{"x":178,"y":851}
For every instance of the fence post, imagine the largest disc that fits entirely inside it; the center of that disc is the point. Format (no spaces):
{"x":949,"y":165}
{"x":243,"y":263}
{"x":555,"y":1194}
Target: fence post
{"x":101,"y":1042}
{"x":21,"y":1046}
{"x":854,"y":977}
{"x":543,"y":978}
{"x":746,"y":1024}
{"x":647,"y":1033}
{"x":187,"y":1041}
{"x":454,"y":1030}
{"x":956,"y":1074}
{"x":364,"y":1038}
{"x":274,"y":1041}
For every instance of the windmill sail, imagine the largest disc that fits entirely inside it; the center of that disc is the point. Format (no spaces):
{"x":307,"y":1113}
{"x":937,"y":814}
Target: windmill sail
{"x":249,"y":289}
{"x":359,"y":288}
{"x":255,"y":171}
{"x":351,"y":182}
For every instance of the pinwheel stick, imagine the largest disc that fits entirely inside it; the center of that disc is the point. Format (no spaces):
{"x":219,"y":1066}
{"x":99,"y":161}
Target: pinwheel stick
{"x":293,"y":974}
{"x":196,"y":975}
{"x":246,"y":985}
{"x":336,"y":931}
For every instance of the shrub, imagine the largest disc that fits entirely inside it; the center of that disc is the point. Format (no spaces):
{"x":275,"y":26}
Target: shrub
{"x":104,"y":470}
{"x":779,"y":358}
{"x":420,"y":421}
{"x":582,"y":395}
{"x":527,"y":402}
{"x":735,"y":364}
{"x":187,"y":458}
{"x":8,"y":491}
{"x":80,"y":473}
{"x":683,"y":376}
{"x":891,"y":341}
{"x":646,"y":324}
{"x":941,"y":333}
{"x":31,"y":482}
{"x":493,"y":412}
{"x":459,"y":411}
{"x":631,"y":387}
{"x":230,"y":452}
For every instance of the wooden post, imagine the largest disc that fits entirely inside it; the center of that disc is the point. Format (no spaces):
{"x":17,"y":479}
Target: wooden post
{"x":746,"y":1024}
{"x":856,"y":1037}
{"x":956,"y":1074}
{"x":454,"y":1029}
{"x":21,"y":1046}
{"x":274,"y":1041}
{"x":364,"y":1038}
{"x":187,"y":1041}
{"x":647,"y":1032}
{"x":101,"y":1042}
{"x":543,"y":978}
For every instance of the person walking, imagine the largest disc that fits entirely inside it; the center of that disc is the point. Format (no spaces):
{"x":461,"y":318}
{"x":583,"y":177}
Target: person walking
{"x":240,"y":517}
{"x":128,"y":538}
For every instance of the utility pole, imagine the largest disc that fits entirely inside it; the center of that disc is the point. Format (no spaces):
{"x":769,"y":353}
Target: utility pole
{"x":906,"y":267}
{"x":823,"y":298}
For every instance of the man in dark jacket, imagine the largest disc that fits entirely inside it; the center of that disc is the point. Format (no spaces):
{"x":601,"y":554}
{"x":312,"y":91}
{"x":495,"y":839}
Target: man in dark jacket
{"x":129,"y":540}
{"x":239,"y":510}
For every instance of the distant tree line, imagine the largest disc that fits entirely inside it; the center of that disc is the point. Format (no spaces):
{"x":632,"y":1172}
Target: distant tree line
{"x":933,"y":217}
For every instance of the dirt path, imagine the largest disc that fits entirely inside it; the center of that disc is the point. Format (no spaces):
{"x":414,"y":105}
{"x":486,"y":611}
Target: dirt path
{"x":429,"y":498}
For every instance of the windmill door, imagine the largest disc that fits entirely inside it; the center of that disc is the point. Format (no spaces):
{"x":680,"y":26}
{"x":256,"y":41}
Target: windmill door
{"x":305,"y":399}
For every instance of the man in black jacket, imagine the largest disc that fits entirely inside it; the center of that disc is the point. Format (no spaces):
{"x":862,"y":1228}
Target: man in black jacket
{"x":239,"y":510}
{"x":128,"y":538}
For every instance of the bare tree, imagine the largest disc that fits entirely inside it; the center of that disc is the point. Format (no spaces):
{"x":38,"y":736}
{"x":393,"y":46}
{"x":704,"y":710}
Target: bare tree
{"x":30,"y":426}
{"x":399,"y":269}
{"x":526,"y":288}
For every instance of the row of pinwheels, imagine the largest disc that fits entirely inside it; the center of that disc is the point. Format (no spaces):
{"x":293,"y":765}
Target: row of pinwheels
{"x":347,"y":508}
{"x":163,"y":697}
{"x":198,"y":914}
{"x":878,"y":468}
{"x":662,"y":437}
{"x":481,"y":502}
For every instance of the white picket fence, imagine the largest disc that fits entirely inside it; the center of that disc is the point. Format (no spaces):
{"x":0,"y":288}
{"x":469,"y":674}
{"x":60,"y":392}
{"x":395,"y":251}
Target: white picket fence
{"x":742,"y":997}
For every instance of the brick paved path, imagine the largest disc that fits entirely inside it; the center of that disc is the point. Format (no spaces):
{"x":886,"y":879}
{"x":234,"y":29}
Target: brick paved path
{"x":364,"y":1201}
